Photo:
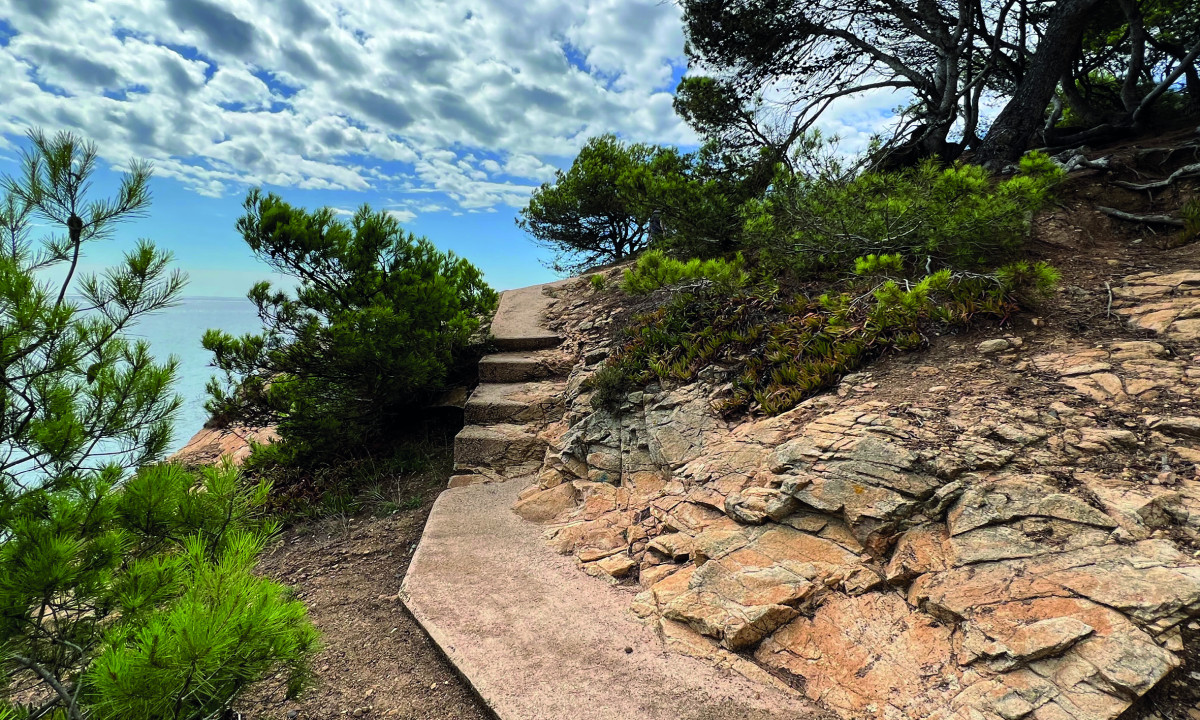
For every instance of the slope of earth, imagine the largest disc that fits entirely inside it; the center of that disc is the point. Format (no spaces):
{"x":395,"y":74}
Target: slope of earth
{"x":1006,"y":525}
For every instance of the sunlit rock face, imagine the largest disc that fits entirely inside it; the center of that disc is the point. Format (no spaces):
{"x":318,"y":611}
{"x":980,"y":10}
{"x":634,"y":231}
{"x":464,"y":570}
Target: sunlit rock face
{"x":1011,"y":535}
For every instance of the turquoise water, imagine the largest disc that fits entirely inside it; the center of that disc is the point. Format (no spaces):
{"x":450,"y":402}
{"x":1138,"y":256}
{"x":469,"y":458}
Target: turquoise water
{"x":177,"y":331}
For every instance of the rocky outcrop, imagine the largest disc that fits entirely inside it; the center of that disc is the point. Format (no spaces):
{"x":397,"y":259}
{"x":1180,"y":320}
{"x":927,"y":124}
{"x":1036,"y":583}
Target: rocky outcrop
{"x":1016,"y":535}
{"x":212,"y":445}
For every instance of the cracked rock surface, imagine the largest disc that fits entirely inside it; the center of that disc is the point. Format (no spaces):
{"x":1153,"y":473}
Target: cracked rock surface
{"x":1013,"y":536}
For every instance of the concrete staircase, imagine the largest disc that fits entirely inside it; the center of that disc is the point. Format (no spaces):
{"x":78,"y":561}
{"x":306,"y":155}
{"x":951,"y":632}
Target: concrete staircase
{"x":537,"y":638}
{"x":518,"y":393}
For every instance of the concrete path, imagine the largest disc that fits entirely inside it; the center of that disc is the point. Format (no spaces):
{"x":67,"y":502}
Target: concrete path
{"x":520,"y":321}
{"x":535,"y":636}
{"x":518,"y":391}
{"x":540,"y":640}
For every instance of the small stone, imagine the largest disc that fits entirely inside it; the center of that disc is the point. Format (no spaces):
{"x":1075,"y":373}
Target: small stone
{"x":991,"y":347}
{"x":628,"y":650}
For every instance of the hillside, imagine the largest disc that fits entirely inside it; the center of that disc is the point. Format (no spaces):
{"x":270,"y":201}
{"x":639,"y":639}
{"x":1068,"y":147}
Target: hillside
{"x":1005,"y":524}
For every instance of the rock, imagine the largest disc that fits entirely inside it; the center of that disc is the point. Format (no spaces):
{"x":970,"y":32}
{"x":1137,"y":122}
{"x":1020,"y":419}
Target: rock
{"x":756,"y":506}
{"x":616,"y":566}
{"x":1006,"y":500}
{"x":991,"y":347}
{"x":544,"y":506}
{"x":1179,"y":426}
{"x":211,"y":445}
{"x":995,"y":547}
{"x":675,"y":546}
{"x":920,"y":550}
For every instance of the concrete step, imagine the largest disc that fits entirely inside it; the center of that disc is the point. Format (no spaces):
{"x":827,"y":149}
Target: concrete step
{"x":520,"y":322}
{"x":493,"y":403}
{"x":540,"y":640}
{"x":497,"y":446}
{"x":516,"y":367}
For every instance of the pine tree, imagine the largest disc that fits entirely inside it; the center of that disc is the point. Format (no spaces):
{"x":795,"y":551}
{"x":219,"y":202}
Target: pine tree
{"x":125,"y":588}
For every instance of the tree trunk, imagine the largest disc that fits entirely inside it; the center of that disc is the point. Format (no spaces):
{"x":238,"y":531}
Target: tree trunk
{"x":1023,"y":115}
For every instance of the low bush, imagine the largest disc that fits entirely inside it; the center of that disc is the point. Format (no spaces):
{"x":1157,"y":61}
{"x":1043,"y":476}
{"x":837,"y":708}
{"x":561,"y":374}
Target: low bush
{"x":935,"y":217}
{"x":654,"y":270}
{"x":141,"y":600}
{"x":777,"y":349}
{"x":597,"y":282}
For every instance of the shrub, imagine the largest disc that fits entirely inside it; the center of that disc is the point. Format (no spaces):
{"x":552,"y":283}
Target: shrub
{"x":377,"y":325}
{"x":776,"y":349}
{"x":597,"y":282}
{"x":655,"y":270}
{"x":603,"y":208}
{"x":1190,"y":212}
{"x":953,"y":217}
{"x":140,"y":601}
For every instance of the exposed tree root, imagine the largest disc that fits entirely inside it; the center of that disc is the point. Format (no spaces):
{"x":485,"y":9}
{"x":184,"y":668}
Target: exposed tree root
{"x":1184,"y":172}
{"x":1151,"y":219}
{"x":1078,"y":160}
{"x":1164,"y":155}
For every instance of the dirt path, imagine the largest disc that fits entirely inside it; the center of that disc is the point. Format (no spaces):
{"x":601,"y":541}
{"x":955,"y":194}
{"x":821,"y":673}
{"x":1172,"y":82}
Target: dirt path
{"x":376,"y":661}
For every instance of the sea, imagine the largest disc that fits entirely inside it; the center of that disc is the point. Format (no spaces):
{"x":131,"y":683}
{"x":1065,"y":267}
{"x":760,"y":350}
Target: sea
{"x":177,"y":331}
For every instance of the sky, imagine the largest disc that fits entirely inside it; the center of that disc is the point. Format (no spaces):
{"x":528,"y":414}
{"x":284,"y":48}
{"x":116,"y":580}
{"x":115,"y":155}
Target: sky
{"x":446,"y":113}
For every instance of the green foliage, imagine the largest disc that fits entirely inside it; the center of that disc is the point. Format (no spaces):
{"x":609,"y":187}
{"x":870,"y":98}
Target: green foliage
{"x":597,"y":282}
{"x":617,"y":198}
{"x":777,"y":348}
{"x":120,"y":597}
{"x":953,"y":217}
{"x":655,"y":270}
{"x":378,"y":324}
{"x":72,"y":383}
{"x":600,"y":210}
{"x":878,"y":264}
{"x":1029,"y":281}
{"x":140,"y":601}
{"x":1190,"y":212}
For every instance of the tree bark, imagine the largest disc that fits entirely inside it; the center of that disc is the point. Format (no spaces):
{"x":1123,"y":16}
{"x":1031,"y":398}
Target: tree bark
{"x":1009,"y":135}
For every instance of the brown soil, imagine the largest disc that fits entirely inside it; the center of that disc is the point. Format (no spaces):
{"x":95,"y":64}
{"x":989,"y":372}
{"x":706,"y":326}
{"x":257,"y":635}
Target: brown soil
{"x":376,"y":661}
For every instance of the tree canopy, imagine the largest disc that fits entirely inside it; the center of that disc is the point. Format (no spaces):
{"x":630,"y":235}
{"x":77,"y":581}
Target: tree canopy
{"x":617,"y":197}
{"x":600,"y":209}
{"x":791,"y":60}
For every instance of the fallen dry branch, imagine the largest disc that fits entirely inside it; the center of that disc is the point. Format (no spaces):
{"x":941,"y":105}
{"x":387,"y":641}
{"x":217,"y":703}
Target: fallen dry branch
{"x":1183,"y":172}
{"x":1152,"y":219}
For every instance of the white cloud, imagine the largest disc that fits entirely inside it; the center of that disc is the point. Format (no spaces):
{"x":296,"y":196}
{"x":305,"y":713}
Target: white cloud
{"x":470,"y":101}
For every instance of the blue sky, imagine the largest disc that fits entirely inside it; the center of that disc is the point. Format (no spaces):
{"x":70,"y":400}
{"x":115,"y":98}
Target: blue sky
{"x":447,"y":113}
